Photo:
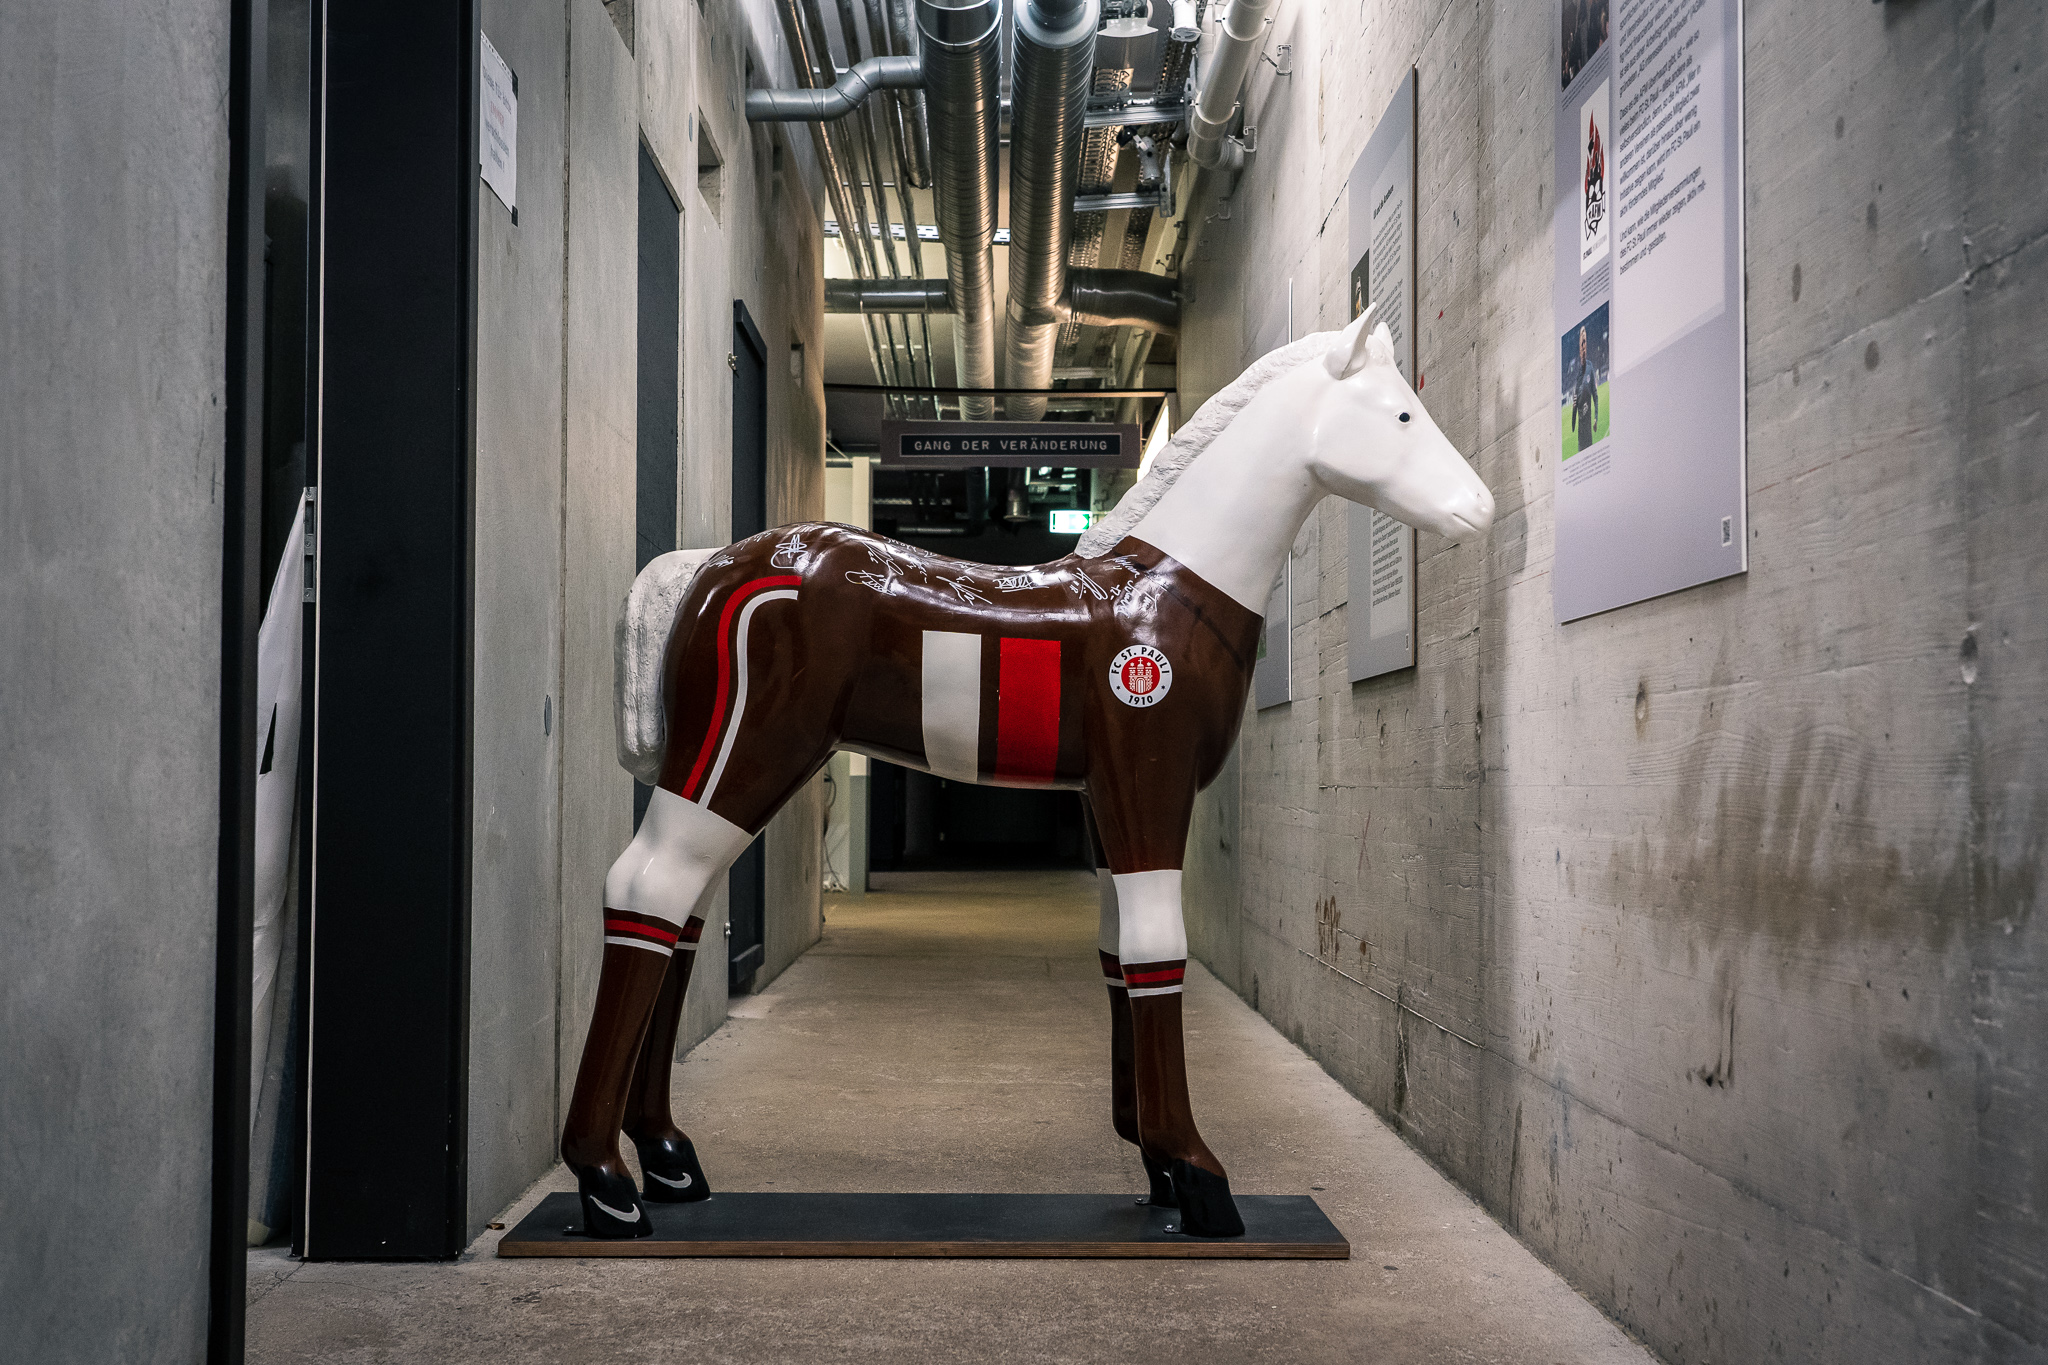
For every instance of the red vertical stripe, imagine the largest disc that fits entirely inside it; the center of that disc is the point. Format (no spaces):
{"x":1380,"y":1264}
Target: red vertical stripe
{"x":1028,"y":711}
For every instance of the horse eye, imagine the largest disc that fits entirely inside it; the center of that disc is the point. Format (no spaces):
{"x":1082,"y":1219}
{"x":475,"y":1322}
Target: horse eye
{"x":1404,"y":416}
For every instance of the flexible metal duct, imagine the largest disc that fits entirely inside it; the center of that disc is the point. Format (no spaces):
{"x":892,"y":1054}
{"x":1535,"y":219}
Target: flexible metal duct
{"x":1243,"y":25}
{"x":961,"y":43}
{"x":816,"y":106}
{"x":1054,"y":66}
{"x":1122,"y":298}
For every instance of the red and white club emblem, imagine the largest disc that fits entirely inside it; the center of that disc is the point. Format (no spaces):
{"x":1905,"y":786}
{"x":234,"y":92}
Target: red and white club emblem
{"x":1140,"y":676}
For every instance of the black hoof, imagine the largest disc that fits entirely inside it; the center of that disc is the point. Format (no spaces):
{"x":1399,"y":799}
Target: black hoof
{"x":611,"y":1206}
{"x":1206,"y":1208}
{"x":670,"y":1173}
{"x":1161,"y":1181}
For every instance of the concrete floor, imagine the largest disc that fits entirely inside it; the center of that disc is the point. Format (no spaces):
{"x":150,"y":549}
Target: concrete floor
{"x":950,"y":1033}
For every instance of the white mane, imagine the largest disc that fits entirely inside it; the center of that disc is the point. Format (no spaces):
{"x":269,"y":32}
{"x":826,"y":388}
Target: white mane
{"x":1194,"y":437}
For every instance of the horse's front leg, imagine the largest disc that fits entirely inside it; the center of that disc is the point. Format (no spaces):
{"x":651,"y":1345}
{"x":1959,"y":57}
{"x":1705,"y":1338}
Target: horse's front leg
{"x":1152,"y":951}
{"x":649,"y":895}
{"x":1123,"y":1077}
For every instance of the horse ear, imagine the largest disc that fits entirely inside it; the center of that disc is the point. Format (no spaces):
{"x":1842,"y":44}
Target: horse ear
{"x":1380,"y":347}
{"x":1348,"y":356}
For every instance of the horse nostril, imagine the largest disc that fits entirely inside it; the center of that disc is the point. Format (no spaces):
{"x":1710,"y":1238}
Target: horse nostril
{"x":1404,"y":416}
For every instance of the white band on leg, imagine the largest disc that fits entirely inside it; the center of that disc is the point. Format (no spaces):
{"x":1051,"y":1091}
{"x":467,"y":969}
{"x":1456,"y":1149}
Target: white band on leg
{"x":1148,"y":917}
{"x":1106,"y":933}
{"x":680,"y":849}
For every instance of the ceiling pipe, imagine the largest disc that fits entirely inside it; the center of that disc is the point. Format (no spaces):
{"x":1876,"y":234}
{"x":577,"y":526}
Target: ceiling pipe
{"x":962,"y":91}
{"x":1099,"y":298}
{"x":837,"y":101}
{"x":1054,"y":44}
{"x":1244,"y":23}
{"x":808,"y":68}
{"x":888,"y":296}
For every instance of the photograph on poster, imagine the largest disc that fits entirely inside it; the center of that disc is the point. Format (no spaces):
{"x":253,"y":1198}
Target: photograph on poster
{"x":1585,"y":33}
{"x":1596,"y":222}
{"x":1361,"y":284}
{"x":1583,"y":386}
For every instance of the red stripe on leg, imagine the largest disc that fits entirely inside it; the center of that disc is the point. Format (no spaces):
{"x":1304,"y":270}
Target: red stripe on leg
{"x":1028,"y":710}
{"x":1158,"y":978}
{"x":625,"y":928}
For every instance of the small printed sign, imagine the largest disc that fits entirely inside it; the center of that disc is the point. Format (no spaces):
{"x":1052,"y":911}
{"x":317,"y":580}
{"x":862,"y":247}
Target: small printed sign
{"x":1066,"y":523}
{"x":1140,"y":676}
{"x":497,"y":153}
{"x":1010,"y":445}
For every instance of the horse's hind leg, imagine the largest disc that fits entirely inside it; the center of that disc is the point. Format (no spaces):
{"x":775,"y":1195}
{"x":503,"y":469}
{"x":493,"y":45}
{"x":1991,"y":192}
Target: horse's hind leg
{"x":649,"y":895}
{"x":670,"y":1172}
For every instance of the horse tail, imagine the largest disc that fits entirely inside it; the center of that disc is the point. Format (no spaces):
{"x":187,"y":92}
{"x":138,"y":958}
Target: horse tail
{"x":639,"y":648}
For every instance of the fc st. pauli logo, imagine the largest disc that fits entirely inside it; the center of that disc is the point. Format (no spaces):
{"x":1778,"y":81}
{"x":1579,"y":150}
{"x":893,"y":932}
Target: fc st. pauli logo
{"x":1140,"y":676}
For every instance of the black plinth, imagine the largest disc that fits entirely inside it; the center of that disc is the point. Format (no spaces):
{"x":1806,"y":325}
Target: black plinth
{"x":1277,"y":1227}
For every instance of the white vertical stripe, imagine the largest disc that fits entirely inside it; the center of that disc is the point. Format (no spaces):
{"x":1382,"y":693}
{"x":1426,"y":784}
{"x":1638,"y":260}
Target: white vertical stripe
{"x":739,"y":691}
{"x":952,"y":704}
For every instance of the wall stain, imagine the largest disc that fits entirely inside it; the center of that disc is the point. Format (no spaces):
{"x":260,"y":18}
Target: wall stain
{"x":1775,"y":834}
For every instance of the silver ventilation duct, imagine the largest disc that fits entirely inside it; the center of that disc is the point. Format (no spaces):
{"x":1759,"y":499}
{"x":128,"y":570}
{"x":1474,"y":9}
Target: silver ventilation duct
{"x":962,"y":94}
{"x":1098,"y":298}
{"x":1054,"y":65}
{"x":817,"y":106}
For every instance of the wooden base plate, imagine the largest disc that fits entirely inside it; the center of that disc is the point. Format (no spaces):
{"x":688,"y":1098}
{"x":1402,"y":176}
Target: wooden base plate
{"x":1277,"y":1227}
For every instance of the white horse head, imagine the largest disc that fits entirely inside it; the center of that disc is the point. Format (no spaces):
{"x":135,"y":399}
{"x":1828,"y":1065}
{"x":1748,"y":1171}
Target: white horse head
{"x":1373,"y":442}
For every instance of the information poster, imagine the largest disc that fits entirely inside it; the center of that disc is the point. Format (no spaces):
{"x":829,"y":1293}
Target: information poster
{"x":1380,"y":612}
{"x":1647,"y":297}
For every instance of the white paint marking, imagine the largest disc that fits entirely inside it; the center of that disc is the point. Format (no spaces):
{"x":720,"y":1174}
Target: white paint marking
{"x":952,"y":704}
{"x":739,"y":695}
{"x":624,"y":942}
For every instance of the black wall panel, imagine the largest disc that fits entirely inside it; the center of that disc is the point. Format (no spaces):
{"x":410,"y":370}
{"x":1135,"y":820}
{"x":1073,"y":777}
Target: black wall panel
{"x":387,"y":1055}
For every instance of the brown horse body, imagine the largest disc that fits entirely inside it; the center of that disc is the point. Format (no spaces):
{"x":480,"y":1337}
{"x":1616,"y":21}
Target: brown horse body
{"x":818,"y":637}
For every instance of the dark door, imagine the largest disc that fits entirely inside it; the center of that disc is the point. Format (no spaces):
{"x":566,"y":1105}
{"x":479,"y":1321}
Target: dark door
{"x":746,"y":884}
{"x":661,"y":228}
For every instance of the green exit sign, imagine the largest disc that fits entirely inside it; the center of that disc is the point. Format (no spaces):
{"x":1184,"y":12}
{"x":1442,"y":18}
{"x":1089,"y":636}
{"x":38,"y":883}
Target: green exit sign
{"x":1071,"y":523}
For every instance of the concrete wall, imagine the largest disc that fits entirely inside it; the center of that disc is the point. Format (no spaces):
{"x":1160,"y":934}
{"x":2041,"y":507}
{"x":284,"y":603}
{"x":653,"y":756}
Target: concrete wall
{"x":555,"y":508}
{"x":1699,"y":939}
{"x":113,"y":284}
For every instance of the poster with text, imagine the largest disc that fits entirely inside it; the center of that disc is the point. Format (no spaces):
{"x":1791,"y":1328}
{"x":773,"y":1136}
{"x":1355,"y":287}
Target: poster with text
{"x":1647,"y":300}
{"x":1380,"y":610}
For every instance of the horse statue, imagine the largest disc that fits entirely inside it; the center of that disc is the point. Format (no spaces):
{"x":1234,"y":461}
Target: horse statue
{"x":1119,"y":671}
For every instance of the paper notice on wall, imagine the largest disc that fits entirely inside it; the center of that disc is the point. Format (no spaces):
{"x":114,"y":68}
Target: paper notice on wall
{"x":497,"y":150}
{"x":1379,"y":612}
{"x":1647,"y":301}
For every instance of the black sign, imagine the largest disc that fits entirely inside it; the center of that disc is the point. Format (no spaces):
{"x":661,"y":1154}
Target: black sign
{"x":1010,"y":445}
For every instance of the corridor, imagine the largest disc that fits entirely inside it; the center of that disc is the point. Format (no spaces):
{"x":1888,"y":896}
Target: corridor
{"x":949,"y":1033}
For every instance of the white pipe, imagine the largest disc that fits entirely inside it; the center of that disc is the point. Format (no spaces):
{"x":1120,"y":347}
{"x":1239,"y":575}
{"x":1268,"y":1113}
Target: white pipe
{"x":1243,"y":25}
